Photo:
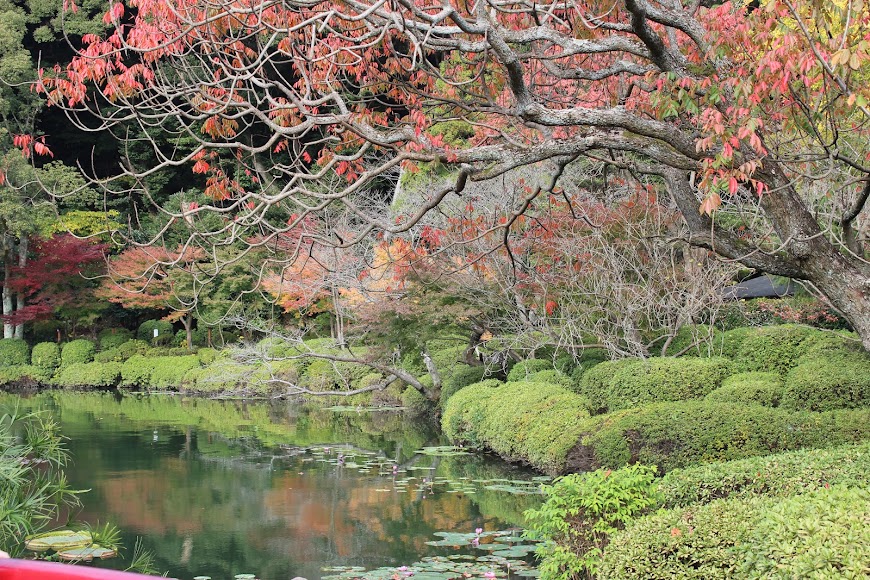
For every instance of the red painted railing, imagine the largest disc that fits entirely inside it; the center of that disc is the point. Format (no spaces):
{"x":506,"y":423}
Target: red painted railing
{"x":32,"y":570}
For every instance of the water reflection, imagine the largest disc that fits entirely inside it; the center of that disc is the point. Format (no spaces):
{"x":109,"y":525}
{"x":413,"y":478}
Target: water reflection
{"x":221,"y":488}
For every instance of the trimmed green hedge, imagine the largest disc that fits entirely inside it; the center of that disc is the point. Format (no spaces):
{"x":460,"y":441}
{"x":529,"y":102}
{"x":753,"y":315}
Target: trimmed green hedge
{"x":782,"y":475}
{"x":536,"y":423}
{"x":552,"y":377}
{"x":76,"y":351}
{"x":523,"y":369}
{"x":22,"y":374}
{"x":820,"y":535}
{"x":822,"y":383}
{"x":92,"y":374}
{"x":778,"y":348}
{"x":673,"y":435}
{"x":597,"y":379}
{"x":159,"y":372}
{"x":164,"y":332}
{"x":123,"y":351}
{"x":460,"y":377}
{"x":113,"y":338}
{"x":14,"y":352}
{"x":46,"y":356}
{"x":749,"y":388}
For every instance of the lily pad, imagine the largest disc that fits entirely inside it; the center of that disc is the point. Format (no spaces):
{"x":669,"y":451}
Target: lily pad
{"x":58,"y":540}
{"x":86,"y":554}
{"x":443,"y":451}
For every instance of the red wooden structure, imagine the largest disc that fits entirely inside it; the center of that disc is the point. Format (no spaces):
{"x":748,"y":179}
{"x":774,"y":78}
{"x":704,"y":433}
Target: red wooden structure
{"x":11,"y":569}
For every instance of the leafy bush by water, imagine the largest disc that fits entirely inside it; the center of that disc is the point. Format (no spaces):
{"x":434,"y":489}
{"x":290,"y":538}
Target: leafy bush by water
{"x":113,"y":337}
{"x":164,"y":332}
{"x":14,"y":352}
{"x":46,"y":356}
{"x":77,"y":351}
{"x":91,"y":374}
{"x":673,"y":435}
{"x":123,"y":351}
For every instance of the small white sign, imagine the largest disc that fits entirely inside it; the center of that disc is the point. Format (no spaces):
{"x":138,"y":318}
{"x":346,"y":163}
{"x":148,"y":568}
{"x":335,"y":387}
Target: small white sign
{"x":156,"y":332}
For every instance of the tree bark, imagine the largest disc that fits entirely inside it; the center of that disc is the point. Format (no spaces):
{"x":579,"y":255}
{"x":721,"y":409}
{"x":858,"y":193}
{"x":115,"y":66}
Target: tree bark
{"x":8,"y":296}
{"x":20,"y":299}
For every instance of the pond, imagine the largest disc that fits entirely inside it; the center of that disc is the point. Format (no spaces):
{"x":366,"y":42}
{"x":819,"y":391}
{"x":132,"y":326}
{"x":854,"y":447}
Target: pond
{"x":221,"y":488}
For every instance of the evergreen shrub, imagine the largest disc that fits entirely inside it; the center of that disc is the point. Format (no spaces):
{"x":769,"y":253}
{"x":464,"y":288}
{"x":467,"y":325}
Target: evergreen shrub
{"x":749,"y":388}
{"x":524,"y":368}
{"x":113,"y":337}
{"x":14,"y":352}
{"x":92,"y":374}
{"x":822,"y":383}
{"x":680,"y":434}
{"x":123,"y":351}
{"x":164,"y":332}
{"x":76,"y":351}
{"x":776,"y":348}
{"x":46,"y":356}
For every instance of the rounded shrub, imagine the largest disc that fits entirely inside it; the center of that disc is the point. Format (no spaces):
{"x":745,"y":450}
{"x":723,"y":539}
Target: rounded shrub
{"x":673,"y":435}
{"x":77,"y":351}
{"x":524,"y":368}
{"x":690,"y":340}
{"x":749,"y":388}
{"x":824,"y":383}
{"x":775,"y":348}
{"x":168,"y":372}
{"x":164,"y":332}
{"x":206,"y":355}
{"x":728,"y":343}
{"x":224,"y":375}
{"x":91,"y":374}
{"x":552,"y":377}
{"x":46,"y":356}
{"x":664,"y":379}
{"x":460,"y":377}
{"x":123,"y":351}
{"x":535,"y":423}
{"x":14,"y":352}
{"x":414,"y":401}
{"x":782,"y":475}
{"x":23,"y":376}
{"x":113,"y":337}
{"x":595,"y":381}
{"x":198,"y":338}
{"x":319,"y":375}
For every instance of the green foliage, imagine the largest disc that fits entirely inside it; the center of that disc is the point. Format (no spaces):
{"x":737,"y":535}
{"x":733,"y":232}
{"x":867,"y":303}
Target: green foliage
{"x":164,"y":332}
{"x":634,"y":382}
{"x":758,"y":388}
{"x":123,"y":351}
{"x":33,"y":488}
{"x":198,"y":337}
{"x":687,"y":543}
{"x":781,"y":475}
{"x":552,"y":377}
{"x":223,"y":375}
{"x":460,"y":377}
{"x":14,"y":352}
{"x":820,"y":535}
{"x":23,"y":375}
{"x":580,"y":514}
{"x":159,"y":372}
{"x":775,"y":348}
{"x":320,"y":375}
{"x":597,"y":380}
{"x":113,"y":338}
{"x":523,"y":369}
{"x":46,"y":356}
{"x":77,"y":351}
{"x":415,"y":402}
{"x":673,"y":435}
{"x":536,"y":423}
{"x":729,"y":343}
{"x":91,"y":374}
{"x":690,"y":340}
{"x":206,"y":355}
{"x":822,"y":383}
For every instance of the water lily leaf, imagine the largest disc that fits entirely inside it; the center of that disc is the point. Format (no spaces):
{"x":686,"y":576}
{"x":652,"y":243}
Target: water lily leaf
{"x":58,"y":540}
{"x":443,"y":451}
{"x":86,"y":554}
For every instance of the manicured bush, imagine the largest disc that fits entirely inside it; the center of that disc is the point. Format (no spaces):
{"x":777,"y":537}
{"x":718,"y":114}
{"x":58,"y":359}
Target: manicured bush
{"x":552,"y":377}
{"x":729,"y":343}
{"x":696,"y":543}
{"x":164,"y":332}
{"x":751,"y":388}
{"x":637,"y":382}
{"x":168,"y":372}
{"x":319,"y":375}
{"x":198,"y":338}
{"x":46,"y":356}
{"x":673,"y":435}
{"x":23,"y":375}
{"x":822,"y":383}
{"x":776,"y":348}
{"x":596,"y":381}
{"x":524,"y":421}
{"x":206,"y":355}
{"x":523,"y":369}
{"x":113,"y":338}
{"x":91,"y":374}
{"x":414,"y":401}
{"x":76,"y":351}
{"x":14,"y":352}
{"x":565,"y":364}
{"x":459,"y":377}
{"x":782,"y":475}
{"x":822,"y":534}
{"x":123,"y":351}
{"x":690,"y":340}
{"x":224,"y":375}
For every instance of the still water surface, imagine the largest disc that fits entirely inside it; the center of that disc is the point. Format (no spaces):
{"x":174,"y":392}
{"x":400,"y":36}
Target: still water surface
{"x":220,"y":488}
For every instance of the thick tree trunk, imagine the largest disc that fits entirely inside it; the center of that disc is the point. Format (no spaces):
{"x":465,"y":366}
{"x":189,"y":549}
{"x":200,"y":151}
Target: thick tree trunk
{"x":8,"y":296}
{"x":188,"y":328}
